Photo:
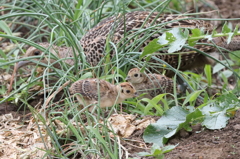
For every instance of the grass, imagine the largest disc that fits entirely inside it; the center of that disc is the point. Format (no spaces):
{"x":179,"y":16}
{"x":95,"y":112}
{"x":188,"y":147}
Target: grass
{"x":64,"y":23}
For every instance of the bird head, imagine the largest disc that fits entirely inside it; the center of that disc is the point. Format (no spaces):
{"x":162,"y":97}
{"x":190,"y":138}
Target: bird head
{"x":126,"y":90}
{"x":135,"y":76}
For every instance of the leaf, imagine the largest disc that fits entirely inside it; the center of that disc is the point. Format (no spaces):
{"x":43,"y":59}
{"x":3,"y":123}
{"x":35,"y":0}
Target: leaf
{"x":219,"y":66}
{"x":155,"y":133}
{"x":215,"y":112}
{"x":193,"y":96}
{"x":168,"y":148}
{"x":181,"y":38}
{"x":216,"y":120}
{"x":226,"y":73}
{"x":235,"y":56}
{"x":195,"y":33}
{"x":152,"y":47}
{"x":5,"y":28}
{"x":226,"y":28}
{"x":208,"y":73}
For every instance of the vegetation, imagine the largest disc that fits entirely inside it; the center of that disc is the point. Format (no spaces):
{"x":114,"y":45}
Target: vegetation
{"x":64,"y":23}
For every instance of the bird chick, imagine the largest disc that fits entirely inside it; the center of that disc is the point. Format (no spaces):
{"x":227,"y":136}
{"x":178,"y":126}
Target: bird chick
{"x":151,"y":84}
{"x":58,"y":52}
{"x":91,"y":91}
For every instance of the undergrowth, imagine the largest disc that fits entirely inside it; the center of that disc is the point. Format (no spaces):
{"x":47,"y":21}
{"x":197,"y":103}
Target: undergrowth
{"x":64,"y":23}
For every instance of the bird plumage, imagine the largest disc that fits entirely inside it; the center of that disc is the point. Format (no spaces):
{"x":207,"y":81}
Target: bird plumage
{"x":151,"y":84}
{"x":143,"y":27}
{"x":91,"y":91}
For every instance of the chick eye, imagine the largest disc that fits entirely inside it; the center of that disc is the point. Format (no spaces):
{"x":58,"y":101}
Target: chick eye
{"x":128,"y":91}
{"x":135,"y":75}
{"x":36,"y":53}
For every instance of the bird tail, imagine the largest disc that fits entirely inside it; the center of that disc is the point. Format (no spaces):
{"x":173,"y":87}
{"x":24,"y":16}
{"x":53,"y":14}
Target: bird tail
{"x":232,"y":46}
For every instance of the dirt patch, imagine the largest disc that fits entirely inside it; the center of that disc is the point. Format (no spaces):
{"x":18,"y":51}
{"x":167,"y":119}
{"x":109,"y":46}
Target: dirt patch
{"x":209,"y":144}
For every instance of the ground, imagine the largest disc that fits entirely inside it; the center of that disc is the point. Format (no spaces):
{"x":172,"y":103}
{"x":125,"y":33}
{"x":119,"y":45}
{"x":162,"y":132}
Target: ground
{"x":201,"y":143}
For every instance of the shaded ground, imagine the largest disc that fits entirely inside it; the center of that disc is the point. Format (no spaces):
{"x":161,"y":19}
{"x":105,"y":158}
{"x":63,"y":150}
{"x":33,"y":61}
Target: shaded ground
{"x":199,"y":144}
{"x":209,"y":144}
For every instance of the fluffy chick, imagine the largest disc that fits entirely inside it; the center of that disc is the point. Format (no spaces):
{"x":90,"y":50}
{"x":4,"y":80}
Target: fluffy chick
{"x":91,"y":91}
{"x":151,"y":84}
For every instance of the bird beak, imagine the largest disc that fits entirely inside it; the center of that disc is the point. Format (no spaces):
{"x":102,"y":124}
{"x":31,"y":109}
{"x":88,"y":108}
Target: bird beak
{"x":22,"y":63}
{"x":136,"y":94}
{"x":127,"y":78}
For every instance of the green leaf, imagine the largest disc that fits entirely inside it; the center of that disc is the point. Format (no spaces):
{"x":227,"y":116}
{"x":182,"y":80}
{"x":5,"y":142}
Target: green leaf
{"x":155,"y":133}
{"x":181,"y":37}
{"x":192,"y":97}
{"x":226,"y":28}
{"x":219,"y":66}
{"x":195,"y":33}
{"x":226,"y":73}
{"x":144,"y":154}
{"x":5,"y":28}
{"x":235,"y":56}
{"x":208,"y":73}
{"x":216,"y":120}
{"x":215,"y":112}
{"x":168,"y":148}
{"x":152,"y":47}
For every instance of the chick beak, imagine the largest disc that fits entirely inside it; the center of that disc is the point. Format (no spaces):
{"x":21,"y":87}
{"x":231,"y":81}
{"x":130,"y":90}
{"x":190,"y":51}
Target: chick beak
{"x":127,"y":78}
{"x":22,"y":63}
{"x":136,"y":94}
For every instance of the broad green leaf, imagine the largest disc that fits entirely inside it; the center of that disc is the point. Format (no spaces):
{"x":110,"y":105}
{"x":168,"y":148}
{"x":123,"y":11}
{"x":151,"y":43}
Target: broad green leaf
{"x":152,"y":47}
{"x":195,"y":33}
{"x":181,"y":37}
{"x":216,"y":120}
{"x":155,"y":133}
{"x":215,"y":112}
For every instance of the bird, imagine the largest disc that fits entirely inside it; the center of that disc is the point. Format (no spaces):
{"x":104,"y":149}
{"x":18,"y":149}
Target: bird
{"x":124,"y":29}
{"x":151,"y":84}
{"x":93,"y":90}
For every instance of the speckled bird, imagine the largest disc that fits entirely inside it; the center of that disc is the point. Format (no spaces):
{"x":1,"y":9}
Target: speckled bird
{"x":91,"y":91}
{"x":143,"y":27}
{"x":151,"y":84}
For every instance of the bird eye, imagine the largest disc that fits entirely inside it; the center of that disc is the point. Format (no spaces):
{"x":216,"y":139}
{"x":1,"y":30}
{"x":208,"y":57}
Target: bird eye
{"x":135,"y":75}
{"x":128,"y":91}
{"x":36,"y":53}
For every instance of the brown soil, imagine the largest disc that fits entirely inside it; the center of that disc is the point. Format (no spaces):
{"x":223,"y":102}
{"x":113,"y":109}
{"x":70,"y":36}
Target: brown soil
{"x":209,"y":144}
